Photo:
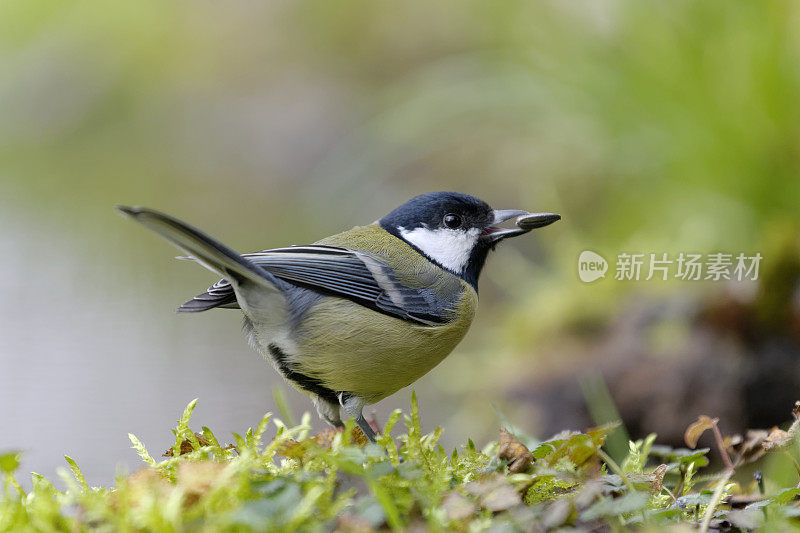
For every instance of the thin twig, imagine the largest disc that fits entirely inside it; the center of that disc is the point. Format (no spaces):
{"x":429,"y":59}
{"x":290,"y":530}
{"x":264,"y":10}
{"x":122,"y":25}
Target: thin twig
{"x":721,"y":446}
{"x":674,"y":499}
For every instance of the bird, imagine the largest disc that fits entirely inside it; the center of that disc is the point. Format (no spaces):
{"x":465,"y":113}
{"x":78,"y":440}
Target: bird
{"x":355,"y":317}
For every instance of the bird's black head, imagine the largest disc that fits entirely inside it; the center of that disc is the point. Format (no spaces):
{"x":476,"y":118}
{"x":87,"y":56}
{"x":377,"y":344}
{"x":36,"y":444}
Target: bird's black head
{"x":456,"y":231}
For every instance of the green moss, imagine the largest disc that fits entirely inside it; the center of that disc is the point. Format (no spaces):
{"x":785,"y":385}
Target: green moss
{"x":547,"y":488}
{"x":294,"y":482}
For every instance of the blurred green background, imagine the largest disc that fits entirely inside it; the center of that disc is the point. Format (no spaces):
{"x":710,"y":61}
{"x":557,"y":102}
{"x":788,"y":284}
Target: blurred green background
{"x":650,"y":126}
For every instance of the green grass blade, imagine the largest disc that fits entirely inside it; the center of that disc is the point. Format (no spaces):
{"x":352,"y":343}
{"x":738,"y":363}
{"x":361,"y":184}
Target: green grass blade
{"x":183,"y":423}
{"x":141,"y":450}
{"x":283,"y":406}
{"x":76,"y":471}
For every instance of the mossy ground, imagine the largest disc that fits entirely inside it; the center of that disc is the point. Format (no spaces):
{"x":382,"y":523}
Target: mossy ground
{"x":335,"y":481}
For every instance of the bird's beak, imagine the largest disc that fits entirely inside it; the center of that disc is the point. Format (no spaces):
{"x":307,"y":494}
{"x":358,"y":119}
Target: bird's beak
{"x":525,"y":222}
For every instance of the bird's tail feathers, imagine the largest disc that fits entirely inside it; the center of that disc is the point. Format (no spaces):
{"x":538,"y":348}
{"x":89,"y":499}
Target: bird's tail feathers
{"x":206,"y":301}
{"x":204,"y":249}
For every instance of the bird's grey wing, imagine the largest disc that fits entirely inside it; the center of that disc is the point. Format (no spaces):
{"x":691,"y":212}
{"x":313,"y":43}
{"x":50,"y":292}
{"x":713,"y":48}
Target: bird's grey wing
{"x":358,"y":276}
{"x":350,"y":274}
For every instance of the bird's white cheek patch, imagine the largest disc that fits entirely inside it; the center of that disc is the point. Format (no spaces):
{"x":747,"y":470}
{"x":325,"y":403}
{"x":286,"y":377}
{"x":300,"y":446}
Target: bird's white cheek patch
{"x":450,"y":248}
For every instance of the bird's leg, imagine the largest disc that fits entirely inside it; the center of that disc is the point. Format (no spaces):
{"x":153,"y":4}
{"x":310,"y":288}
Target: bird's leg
{"x":365,"y":427}
{"x":352,"y":408}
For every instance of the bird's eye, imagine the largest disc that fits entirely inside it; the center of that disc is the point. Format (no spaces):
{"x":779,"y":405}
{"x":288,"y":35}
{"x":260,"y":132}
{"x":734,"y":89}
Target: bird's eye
{"x":452,"y":221}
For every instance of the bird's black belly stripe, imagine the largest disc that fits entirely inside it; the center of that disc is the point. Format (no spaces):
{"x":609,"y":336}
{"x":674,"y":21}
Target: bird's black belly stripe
{"x":306,"y":383}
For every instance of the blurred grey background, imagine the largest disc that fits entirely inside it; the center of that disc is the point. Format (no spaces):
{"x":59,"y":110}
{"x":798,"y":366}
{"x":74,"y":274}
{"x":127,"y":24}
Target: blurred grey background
{"x":650,"y":127}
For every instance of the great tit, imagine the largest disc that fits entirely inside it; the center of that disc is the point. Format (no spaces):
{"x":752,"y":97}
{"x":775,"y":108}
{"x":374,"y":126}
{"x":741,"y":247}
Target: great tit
{"x":358,"y":315}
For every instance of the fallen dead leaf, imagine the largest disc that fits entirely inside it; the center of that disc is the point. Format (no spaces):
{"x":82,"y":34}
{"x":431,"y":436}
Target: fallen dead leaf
{"x":657,"y":479}
{"x":697,"y":428}
{"x":512,"y":449}
{"x":297,"y":449}
{"x":186,"y":445}
{"x":325,"y":438}
{"x":746,"y":449}
{"x":777,"y":438}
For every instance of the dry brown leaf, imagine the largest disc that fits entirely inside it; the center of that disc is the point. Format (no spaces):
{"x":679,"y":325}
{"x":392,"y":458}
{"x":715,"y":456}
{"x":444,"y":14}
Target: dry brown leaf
{"x":746,"y":449}
{"x":293,"y":449}
{"x":657,"y":479}
{"x":697,"y":428}
{"x":297,"y":450}
{"x":358,"y":437}
{"x":325,"y":438}
{"x":186,"y":445}
{"x":777,"y":438}
{"x":512,"y":449}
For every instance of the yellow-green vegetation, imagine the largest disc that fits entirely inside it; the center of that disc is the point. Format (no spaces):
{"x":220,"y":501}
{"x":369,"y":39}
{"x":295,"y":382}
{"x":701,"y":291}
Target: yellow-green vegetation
{"x":295,"y":482}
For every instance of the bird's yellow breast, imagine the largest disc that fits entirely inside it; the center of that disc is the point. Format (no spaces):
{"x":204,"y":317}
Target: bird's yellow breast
{"x":351,"y":348}
{"x":358,"y":350}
